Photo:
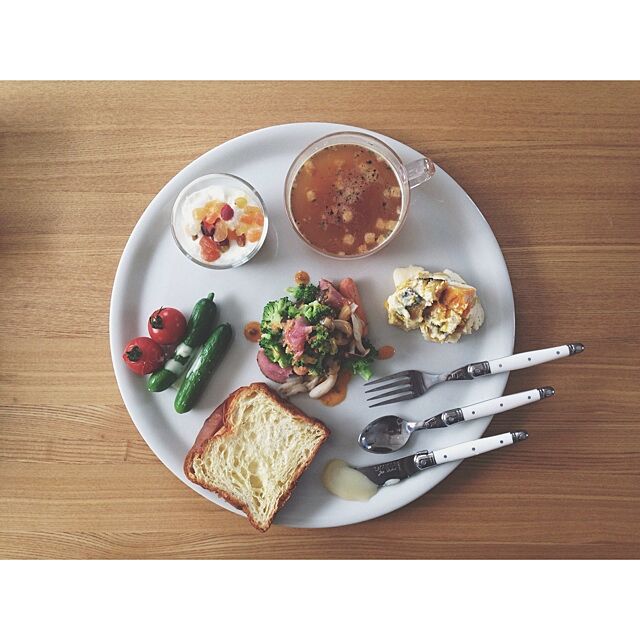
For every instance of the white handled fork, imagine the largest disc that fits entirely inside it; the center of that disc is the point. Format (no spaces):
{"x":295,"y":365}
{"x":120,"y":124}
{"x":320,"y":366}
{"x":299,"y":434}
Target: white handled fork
{"x":412,"y":383}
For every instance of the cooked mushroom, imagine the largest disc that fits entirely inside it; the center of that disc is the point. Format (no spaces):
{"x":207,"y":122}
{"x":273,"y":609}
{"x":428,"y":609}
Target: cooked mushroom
{"x":343,"y":326}
{"x":332,"y":365}
{"x":345,"y":312}
{"x":324,"y":387}
{"x":312,"y":383}
{"x":357,"y":331}
{"x":341,"y":339}
{"x":327,"y":322}
{"x":293,"y":386}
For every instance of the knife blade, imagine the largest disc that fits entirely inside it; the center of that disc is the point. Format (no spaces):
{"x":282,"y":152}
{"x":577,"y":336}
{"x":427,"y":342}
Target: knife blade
{"x":394,"y":471}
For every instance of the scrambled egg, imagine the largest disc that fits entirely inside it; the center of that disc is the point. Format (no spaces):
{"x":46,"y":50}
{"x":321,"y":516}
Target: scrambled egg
{"x":442,"y":305}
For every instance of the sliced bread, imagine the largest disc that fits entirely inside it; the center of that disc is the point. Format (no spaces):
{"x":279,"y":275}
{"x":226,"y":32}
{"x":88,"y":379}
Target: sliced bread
{"x":252,"y":450}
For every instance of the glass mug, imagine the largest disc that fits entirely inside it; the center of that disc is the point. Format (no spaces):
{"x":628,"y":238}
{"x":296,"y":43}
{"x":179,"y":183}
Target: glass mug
{"x":408,"y":176}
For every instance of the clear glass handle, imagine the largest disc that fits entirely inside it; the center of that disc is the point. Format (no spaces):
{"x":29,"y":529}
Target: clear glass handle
{"x":420,"y":171}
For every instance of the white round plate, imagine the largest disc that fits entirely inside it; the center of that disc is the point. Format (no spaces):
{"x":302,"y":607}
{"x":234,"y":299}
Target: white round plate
{"x":444,"y":229}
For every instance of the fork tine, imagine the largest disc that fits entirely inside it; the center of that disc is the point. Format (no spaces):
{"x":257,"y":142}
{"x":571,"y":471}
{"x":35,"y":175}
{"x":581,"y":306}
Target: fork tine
{"x":395,"y":392}
{"x":396,"y":383}
{"x":400,"y":374}
{"x":409,"y":396}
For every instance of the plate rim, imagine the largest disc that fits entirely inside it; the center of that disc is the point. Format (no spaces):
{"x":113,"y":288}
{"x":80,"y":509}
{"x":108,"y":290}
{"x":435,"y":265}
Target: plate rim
{"x":115,"y":351}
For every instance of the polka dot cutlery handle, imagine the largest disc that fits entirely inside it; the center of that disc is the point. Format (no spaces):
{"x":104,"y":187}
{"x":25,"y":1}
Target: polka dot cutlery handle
{"x":504,"y":403}
{"x":476,"y":447}
{"x":484,"y":408}
{"x":532,"y":358}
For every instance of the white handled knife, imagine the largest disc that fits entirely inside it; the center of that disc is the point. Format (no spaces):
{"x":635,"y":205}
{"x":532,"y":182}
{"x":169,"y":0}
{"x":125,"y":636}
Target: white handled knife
{"x":392,"y":472}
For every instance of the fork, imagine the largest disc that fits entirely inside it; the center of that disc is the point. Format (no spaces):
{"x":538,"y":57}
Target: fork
{"x":413,"y":383}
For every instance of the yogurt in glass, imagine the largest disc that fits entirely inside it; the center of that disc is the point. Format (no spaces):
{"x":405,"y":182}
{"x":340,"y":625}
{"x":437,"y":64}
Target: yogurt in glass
{"x":224,"y":201}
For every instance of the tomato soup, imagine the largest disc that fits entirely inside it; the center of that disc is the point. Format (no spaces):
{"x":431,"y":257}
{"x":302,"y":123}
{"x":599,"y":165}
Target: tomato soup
{"x":346,"y":200}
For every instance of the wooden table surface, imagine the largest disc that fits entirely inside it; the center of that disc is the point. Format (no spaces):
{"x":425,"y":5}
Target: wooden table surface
{"x":555,"y":168}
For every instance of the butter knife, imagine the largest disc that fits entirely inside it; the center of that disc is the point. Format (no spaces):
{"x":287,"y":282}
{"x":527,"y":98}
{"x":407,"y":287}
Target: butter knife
{"x":387,"y":473}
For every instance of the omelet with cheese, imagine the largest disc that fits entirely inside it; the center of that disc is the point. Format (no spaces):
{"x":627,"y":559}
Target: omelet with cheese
{"x":442,"y":305}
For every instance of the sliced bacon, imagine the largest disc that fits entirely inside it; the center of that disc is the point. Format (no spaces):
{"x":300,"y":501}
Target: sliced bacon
{"x":349,"y":290}
{"x":332,"y":296}
{"x":272,"y":370}
{"x":295,"y":336}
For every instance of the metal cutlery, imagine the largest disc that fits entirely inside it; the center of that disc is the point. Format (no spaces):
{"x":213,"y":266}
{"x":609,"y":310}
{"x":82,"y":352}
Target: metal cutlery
{"x":412,"y":383}
{"x":390,"y":433}
{"x":392,"y":472}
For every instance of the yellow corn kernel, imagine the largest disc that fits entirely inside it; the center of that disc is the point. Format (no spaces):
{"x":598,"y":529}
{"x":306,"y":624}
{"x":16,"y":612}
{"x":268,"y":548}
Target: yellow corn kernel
{"x":347,"y":215}
{"x":311,"y":195}
{"x":380,"y":239}
{"x":380,"y":224}
{"x":391,"y":225}
{"x":240,"y":202}
{"x":363,"y":248}
{"x":370,"y":237}
{"x":348,"y":239}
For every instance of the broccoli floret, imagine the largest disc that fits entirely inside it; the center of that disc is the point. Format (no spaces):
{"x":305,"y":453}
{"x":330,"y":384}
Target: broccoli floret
{"x":320,"y":341}
{"x":274,"y":312}
{"x":275,"y":351}
{"x":294,"y":311}
{"x":304,"y":292}
{"x":317,"y":368}
{"x":361,"y":365}
{"x":315,"y":311}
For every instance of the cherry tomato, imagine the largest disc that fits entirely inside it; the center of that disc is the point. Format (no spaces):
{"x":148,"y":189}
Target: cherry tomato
{"x":143,"y":355}
{"x":167,"y":326}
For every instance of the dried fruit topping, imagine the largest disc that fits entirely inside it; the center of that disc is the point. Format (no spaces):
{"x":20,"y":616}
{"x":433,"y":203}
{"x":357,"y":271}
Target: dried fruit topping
{"x":199,"y":214}
{"x":207,"y":227}
{"x":254,"y":234}
{"x":209,"y":249}
{"x":221,"y":231}
{"x":241,"y":202}
{"x":226,"y":213}
{"x":241,"y":240}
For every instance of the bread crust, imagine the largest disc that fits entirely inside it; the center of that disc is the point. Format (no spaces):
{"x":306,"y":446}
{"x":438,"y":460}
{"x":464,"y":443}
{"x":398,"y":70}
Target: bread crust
{"x":217,"y":426}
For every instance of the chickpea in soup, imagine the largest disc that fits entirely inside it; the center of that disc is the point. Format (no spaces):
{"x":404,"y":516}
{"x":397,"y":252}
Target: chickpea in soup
{"x":346,"y":200}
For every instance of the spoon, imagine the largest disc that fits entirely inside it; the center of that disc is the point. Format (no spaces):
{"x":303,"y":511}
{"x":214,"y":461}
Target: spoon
{"x":390,"y":433}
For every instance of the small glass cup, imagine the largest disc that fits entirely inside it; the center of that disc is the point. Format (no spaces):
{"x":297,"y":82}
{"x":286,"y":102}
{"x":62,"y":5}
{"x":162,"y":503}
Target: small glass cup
{"x":408,"y":175}
{"x":222,"y":180}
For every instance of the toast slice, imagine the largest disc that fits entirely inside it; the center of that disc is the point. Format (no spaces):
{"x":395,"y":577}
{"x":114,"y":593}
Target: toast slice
{"x":252,"y":450}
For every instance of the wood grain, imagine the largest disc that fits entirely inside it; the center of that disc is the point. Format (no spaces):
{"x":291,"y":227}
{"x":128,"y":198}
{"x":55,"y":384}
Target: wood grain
{"x":553,"y":166}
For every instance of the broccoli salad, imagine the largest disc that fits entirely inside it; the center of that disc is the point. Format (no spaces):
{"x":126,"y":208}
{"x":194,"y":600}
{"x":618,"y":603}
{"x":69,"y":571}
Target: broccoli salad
{"x":309,"y":335}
